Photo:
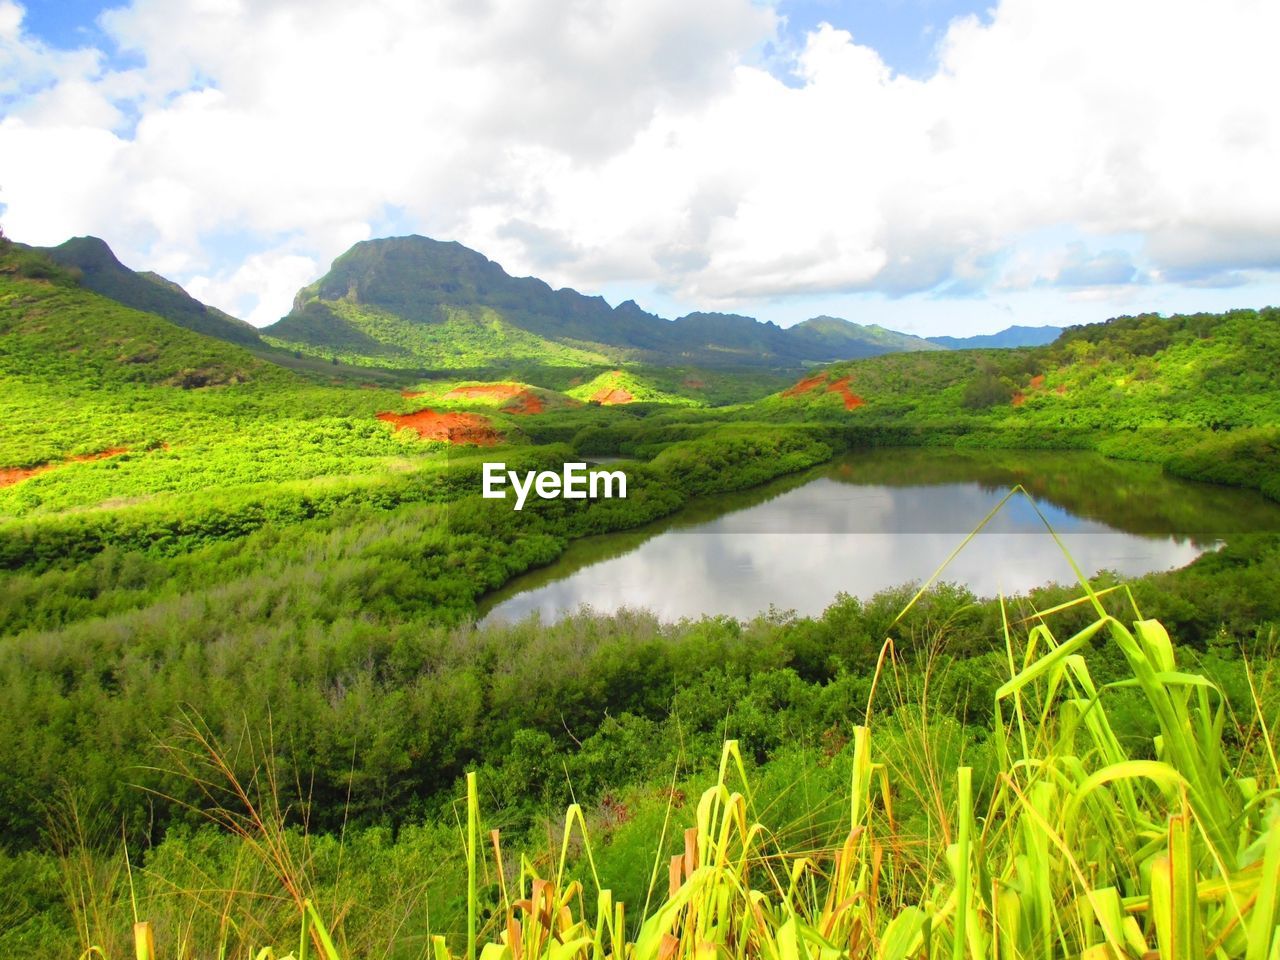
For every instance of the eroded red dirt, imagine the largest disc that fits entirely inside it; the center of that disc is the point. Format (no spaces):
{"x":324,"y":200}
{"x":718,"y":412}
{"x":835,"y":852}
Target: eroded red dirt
{"x":412,"y":394}
{"x":449,"y":427}
{"x":1019,"y":398}
{"x":851,"y":400}
{"x":805,"y":385}
{"x":11,"y":475}
{"x":1037,"y":381}
{"x":502,"y":391}
{"x":525,"y":402}
{"x":607,"y":397}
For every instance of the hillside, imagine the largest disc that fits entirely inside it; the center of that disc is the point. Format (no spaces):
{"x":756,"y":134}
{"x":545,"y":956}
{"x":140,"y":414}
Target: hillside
{"x":102,"y":273}
{"x":54,"y":330}
{"x":421,"y":303}
{"x":1194,"y":392}
{"x":85,"y":374}
{"x":1202,"y":371}
{"x":837,"y":336}
{"x":461,"y":338}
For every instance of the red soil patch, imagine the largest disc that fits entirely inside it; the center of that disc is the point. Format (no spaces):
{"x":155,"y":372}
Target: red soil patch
{"x":500,"y":390}
{"x":607,"y":397}
{"x":1062,"y":388}
{"x":851,"y":400}
{"x":1037,"y":381}
{"x":11,"y":475}
{"x":412,"y":394}
{"x":1018,"y":399}
{"x":804,"y":386}
{"x":525,"y":402}
{"x":450,"y":427}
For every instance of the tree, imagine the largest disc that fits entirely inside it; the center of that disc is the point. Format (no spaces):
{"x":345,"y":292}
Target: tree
{"x":986,"y":390}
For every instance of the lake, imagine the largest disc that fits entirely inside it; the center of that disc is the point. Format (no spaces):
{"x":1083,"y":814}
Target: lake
{"x":878,"y":519}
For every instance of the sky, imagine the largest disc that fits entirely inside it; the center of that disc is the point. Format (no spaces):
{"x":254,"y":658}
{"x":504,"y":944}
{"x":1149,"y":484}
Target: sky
{"x":935,"y":166}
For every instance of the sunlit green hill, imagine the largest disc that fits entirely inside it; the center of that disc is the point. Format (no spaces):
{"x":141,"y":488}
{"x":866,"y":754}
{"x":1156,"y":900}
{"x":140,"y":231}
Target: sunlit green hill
{"x":1196,"y":392}
{"x":105,"y":405}
{"x":1204,"y":371}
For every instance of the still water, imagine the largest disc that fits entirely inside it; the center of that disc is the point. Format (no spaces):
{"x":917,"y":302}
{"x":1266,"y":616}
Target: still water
{"x":879,"y":519}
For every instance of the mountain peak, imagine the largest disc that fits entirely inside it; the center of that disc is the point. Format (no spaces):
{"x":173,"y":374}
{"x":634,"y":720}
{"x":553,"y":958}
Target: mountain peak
{"x":102,"y":272}
{"x":86,"y":252}
{"x":423,"y":288}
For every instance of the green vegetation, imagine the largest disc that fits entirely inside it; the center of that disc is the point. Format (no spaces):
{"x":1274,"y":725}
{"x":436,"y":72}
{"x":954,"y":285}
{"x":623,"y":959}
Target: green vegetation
{"x":239,"y":669}
{"x":620,"y":386}
{"x":1193,"y":392}
{"x":461,"y":339}
{"x":963,"y":817}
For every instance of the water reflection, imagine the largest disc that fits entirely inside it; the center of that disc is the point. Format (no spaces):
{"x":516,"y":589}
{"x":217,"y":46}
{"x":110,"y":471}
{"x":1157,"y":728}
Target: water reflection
{"x":843,"y":528}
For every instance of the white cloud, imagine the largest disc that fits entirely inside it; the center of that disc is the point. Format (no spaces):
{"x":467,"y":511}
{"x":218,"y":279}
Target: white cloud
{"x":258,"y":288}
{"x":639,"y":143}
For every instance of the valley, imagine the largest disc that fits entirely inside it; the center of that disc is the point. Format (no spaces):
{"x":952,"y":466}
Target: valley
{"x":234,"y":557}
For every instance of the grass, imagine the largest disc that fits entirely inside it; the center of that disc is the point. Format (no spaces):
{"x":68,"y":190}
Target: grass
{"x":1063,"y":841}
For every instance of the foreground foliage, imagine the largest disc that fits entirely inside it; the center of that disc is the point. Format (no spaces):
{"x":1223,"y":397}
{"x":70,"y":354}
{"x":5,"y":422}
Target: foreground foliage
{"x":1060,"y":841}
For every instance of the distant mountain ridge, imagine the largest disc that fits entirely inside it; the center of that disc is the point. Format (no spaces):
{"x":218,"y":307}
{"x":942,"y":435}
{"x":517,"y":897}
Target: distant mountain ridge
{"x":387,"y":300}
{"x":1014,"y":336}
{"x":414,"y":302}
{"x":102,"y":273}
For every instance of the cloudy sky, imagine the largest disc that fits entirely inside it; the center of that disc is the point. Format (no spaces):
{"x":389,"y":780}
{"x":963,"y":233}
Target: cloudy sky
{"x":938,"y":166}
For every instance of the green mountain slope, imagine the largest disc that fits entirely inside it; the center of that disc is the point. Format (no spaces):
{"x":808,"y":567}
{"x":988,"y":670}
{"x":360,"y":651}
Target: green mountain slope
{"x":102,"y":273}
{"x":429,"y":284}
{"x":841,"y":338}
{"x":110,"y":413}
{"x":84,"y":374}
{"x":426,"y":282}
{"x":461,"y":338}
{"x":53,"y":330}
{"x":1145,"y":374}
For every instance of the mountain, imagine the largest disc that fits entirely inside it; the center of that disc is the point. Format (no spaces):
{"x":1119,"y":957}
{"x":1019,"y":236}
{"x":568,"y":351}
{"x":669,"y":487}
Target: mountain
{"x":1014,"y":336}
{"x":55,"y":331}
{"x":102,"y":273}
{"x":844,"y":338}
{"x":422,"y":303}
